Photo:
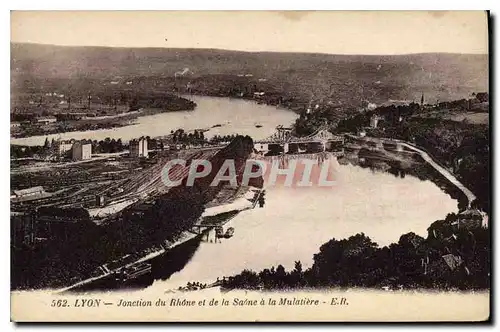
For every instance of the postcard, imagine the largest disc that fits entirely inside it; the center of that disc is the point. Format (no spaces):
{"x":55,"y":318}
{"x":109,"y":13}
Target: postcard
{"x":250,"y":166}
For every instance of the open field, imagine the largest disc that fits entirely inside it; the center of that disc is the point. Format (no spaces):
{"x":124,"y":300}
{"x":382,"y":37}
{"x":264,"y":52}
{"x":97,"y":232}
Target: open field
{"x":480,"y":118}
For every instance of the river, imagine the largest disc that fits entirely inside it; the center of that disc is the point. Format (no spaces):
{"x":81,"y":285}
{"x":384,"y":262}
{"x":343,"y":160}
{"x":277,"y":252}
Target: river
{"x":233,"y":116}
{"x":295,"y":222}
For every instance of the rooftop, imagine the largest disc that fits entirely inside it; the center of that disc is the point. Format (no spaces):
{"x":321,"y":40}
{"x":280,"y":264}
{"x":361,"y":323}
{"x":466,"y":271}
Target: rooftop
{"x":28,"y":191}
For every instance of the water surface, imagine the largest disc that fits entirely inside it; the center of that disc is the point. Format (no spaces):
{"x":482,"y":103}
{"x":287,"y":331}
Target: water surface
{"x":235,"y":116}
{"x":295,"y":222}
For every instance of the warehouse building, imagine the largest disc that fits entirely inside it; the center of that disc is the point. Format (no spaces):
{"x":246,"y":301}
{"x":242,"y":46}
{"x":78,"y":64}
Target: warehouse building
{"x":139,"y":148}
{"x":81,"y":150}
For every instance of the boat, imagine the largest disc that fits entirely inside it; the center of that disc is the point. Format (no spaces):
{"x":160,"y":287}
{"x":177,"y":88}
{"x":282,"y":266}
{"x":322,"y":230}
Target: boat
{"x":219,"y":232}
{"x":133,"y":271}
{"x":229,"y":233}
{"x":258,"y":126}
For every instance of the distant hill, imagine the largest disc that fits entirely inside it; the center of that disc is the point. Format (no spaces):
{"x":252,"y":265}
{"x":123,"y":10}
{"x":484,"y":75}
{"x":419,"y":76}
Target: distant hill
{"x":374,"y":78}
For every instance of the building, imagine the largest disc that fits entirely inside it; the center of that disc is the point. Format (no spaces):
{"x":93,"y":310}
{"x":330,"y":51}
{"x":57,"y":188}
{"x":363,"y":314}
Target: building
{"x":99,"y":200}
{"x":139,"y":147}
{"x":471,"y":219}
{"x":81,"y":150}
{"x":46,"y":120}
{"x":33,"y":191}
{"x":62,"y":147}
{"x":28,"y":194}
{"x":261,"y":147}
{"x":374,"y":121}
{"x":15,"y":124}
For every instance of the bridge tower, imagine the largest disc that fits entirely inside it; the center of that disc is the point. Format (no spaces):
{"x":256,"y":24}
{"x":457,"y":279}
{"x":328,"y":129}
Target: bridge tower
{"x":283,"y":133}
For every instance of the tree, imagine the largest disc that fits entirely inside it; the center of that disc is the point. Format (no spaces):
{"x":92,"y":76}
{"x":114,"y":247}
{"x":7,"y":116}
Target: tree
{"x":298,"y":267}
{"x":342,"y":262}
{"x":482,"y":96}
{"x":119,"y":145}
{"x":46,"y":145}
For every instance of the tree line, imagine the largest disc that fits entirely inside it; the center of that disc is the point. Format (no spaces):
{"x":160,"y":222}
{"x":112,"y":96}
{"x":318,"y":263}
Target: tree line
{"x":449,"y":258}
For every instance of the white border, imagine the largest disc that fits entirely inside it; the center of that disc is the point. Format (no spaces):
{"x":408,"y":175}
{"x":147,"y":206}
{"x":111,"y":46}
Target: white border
{"x":254,"y":5}
{"x":201,"y":5}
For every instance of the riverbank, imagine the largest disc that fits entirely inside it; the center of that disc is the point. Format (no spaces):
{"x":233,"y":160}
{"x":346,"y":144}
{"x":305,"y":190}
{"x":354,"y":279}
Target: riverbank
{"x":222,"y":116}
{"x":450,"y":257}
{"x":280,"y":100}
{"x":66,"y":121}
{"x":444,"y":177}
{"x":88,"y":124}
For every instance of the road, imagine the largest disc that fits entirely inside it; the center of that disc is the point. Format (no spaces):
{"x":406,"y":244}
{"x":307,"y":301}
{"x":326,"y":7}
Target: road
{"x":447,"y":174}
{"x":427,"y":157}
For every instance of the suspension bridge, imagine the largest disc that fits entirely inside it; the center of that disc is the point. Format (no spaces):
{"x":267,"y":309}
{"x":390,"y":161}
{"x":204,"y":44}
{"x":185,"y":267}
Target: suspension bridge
{"x":283,"y":142}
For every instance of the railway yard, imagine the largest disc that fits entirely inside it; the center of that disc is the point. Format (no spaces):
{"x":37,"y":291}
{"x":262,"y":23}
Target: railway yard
{"x":103,"y":186}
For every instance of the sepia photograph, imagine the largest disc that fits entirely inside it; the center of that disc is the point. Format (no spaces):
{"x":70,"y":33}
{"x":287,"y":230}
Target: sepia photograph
{"x":243,"y":166}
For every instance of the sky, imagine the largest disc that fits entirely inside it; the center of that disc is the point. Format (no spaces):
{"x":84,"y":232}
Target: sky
{"x":334,"y":32}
